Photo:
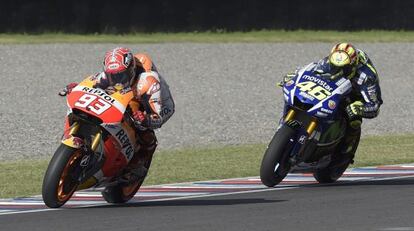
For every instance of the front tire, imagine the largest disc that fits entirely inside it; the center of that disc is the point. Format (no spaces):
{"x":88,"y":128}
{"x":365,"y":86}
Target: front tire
{"x":59,"y":184}
{"x":275,"y":166}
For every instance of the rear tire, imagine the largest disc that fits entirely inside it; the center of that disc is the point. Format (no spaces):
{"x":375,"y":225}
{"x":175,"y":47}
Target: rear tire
{"x":120,"y":194}
{"x":58,"y":182}
{"x":276,"y":154}
{"x":330,"y":174}
{"x":337,"y":166}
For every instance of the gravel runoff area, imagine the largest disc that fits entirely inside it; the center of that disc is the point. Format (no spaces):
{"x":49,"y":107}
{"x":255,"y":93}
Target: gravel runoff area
{"x":224,"y":93}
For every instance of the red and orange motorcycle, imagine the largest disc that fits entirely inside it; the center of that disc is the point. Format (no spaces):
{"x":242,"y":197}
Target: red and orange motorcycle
{"x":98,"y":142}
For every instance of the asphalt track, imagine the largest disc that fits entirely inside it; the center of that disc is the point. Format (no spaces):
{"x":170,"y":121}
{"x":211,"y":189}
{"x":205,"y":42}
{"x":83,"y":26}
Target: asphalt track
{"x":364,"y":199}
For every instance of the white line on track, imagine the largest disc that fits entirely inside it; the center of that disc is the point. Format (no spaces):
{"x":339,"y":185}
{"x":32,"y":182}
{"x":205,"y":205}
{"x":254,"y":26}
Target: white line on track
{"x":183,"y":195}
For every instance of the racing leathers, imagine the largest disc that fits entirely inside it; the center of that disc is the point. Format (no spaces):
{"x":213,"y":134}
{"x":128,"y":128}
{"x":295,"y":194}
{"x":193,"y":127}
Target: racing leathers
{"x":151,"y":93}
{"x":153,"y":103}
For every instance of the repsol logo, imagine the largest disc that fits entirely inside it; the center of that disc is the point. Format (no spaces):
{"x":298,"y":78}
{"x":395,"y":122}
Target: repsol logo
{"x":99,"y":93}
{"x":126,"y":144}
{"x":318,"y":81}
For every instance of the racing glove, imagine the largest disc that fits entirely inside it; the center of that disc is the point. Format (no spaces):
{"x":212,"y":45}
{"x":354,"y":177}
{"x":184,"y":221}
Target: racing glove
{"x":139,"y":119}
{"x":355,"y":112}
{"x":68,"y":89}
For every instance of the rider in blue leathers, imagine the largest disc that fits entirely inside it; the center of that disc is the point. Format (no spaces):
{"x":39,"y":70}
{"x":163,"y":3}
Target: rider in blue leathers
{"x":365,"y":100}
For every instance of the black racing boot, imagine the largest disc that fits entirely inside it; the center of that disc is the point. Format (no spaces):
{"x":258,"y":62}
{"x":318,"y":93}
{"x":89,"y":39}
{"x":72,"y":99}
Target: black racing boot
{"x":350,"y":143}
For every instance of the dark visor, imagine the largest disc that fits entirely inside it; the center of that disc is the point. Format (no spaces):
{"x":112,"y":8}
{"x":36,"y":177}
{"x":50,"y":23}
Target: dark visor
{"x":346,"y":70}
{"x":119,"y":78}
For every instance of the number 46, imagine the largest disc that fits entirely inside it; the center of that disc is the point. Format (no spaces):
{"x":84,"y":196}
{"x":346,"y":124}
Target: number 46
{"x":98,"y":107}
{"x":318,"y":92}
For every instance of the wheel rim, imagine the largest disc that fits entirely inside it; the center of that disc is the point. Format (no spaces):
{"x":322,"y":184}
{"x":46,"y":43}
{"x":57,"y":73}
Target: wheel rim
{"x":128,"y":190}
{"x":62,"y":194}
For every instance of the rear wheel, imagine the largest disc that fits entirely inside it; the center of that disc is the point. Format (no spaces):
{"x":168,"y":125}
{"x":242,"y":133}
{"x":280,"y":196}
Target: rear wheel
{"x":331,"y":173}
{"x":275,"y":166}
{"x":122,"y":193}
{"x":59,"y":182}
{"x":338,"y":164}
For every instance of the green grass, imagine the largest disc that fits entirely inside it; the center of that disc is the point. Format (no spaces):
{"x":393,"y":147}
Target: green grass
{"x":24,"y":178}
{"x":214,"y":37}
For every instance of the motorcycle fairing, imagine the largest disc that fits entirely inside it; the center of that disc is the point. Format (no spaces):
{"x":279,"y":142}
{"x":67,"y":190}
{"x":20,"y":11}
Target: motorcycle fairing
{"x":95,"y":101}
{"x":325,"y":105}
{"x":124,"y":134}
{"x":110,"y":109}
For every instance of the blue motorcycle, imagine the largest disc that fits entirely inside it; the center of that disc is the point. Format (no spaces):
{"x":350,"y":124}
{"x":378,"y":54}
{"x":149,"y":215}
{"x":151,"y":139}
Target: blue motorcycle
{"x":311,"y":133}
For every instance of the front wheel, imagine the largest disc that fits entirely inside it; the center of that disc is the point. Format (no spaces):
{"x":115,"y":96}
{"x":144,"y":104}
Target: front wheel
{"x":275,"y":165}
{"x":59,"y":182}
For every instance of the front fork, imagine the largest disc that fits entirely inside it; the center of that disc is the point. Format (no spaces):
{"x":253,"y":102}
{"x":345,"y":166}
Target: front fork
{"x":75,"y":142}
{"x":302,"y":135}
{"x":310,"y":128}
{"x":70,"y":140}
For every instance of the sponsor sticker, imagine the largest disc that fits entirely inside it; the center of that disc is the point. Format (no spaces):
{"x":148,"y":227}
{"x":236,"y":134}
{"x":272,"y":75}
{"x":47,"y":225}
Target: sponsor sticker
{"x":306,"y":95}
{"x":331,"y":104}
{"x":326,"y":110}
{"x":165,"y":111}
{"x":154,"y":88}
{"x":126,"y":145}
{"x":362,"y":78}
{"x":321,"y":114}
{"x":289,"y":83}
{"x":100,"y":93}
{"x":140,"y":85}
{"x":113,"y":66}
{"x":85,"y":161}
{"x":302,"y":139}
{"x":318,"y":81}
{"x":77,"y":141}
{"x":340,"y":82}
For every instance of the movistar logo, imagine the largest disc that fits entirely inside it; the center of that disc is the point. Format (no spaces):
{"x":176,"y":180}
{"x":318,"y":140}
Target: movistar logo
{"x":318,"y":81}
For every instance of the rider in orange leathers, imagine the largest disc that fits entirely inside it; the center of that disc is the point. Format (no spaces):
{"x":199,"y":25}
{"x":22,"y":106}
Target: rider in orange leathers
{"x":150,"y":108}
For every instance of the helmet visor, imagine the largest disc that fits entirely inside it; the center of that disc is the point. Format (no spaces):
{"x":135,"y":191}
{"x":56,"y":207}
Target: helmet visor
{"x":119,"y":78}
{"x":123,"y":78}
{"x":344,"y":71}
